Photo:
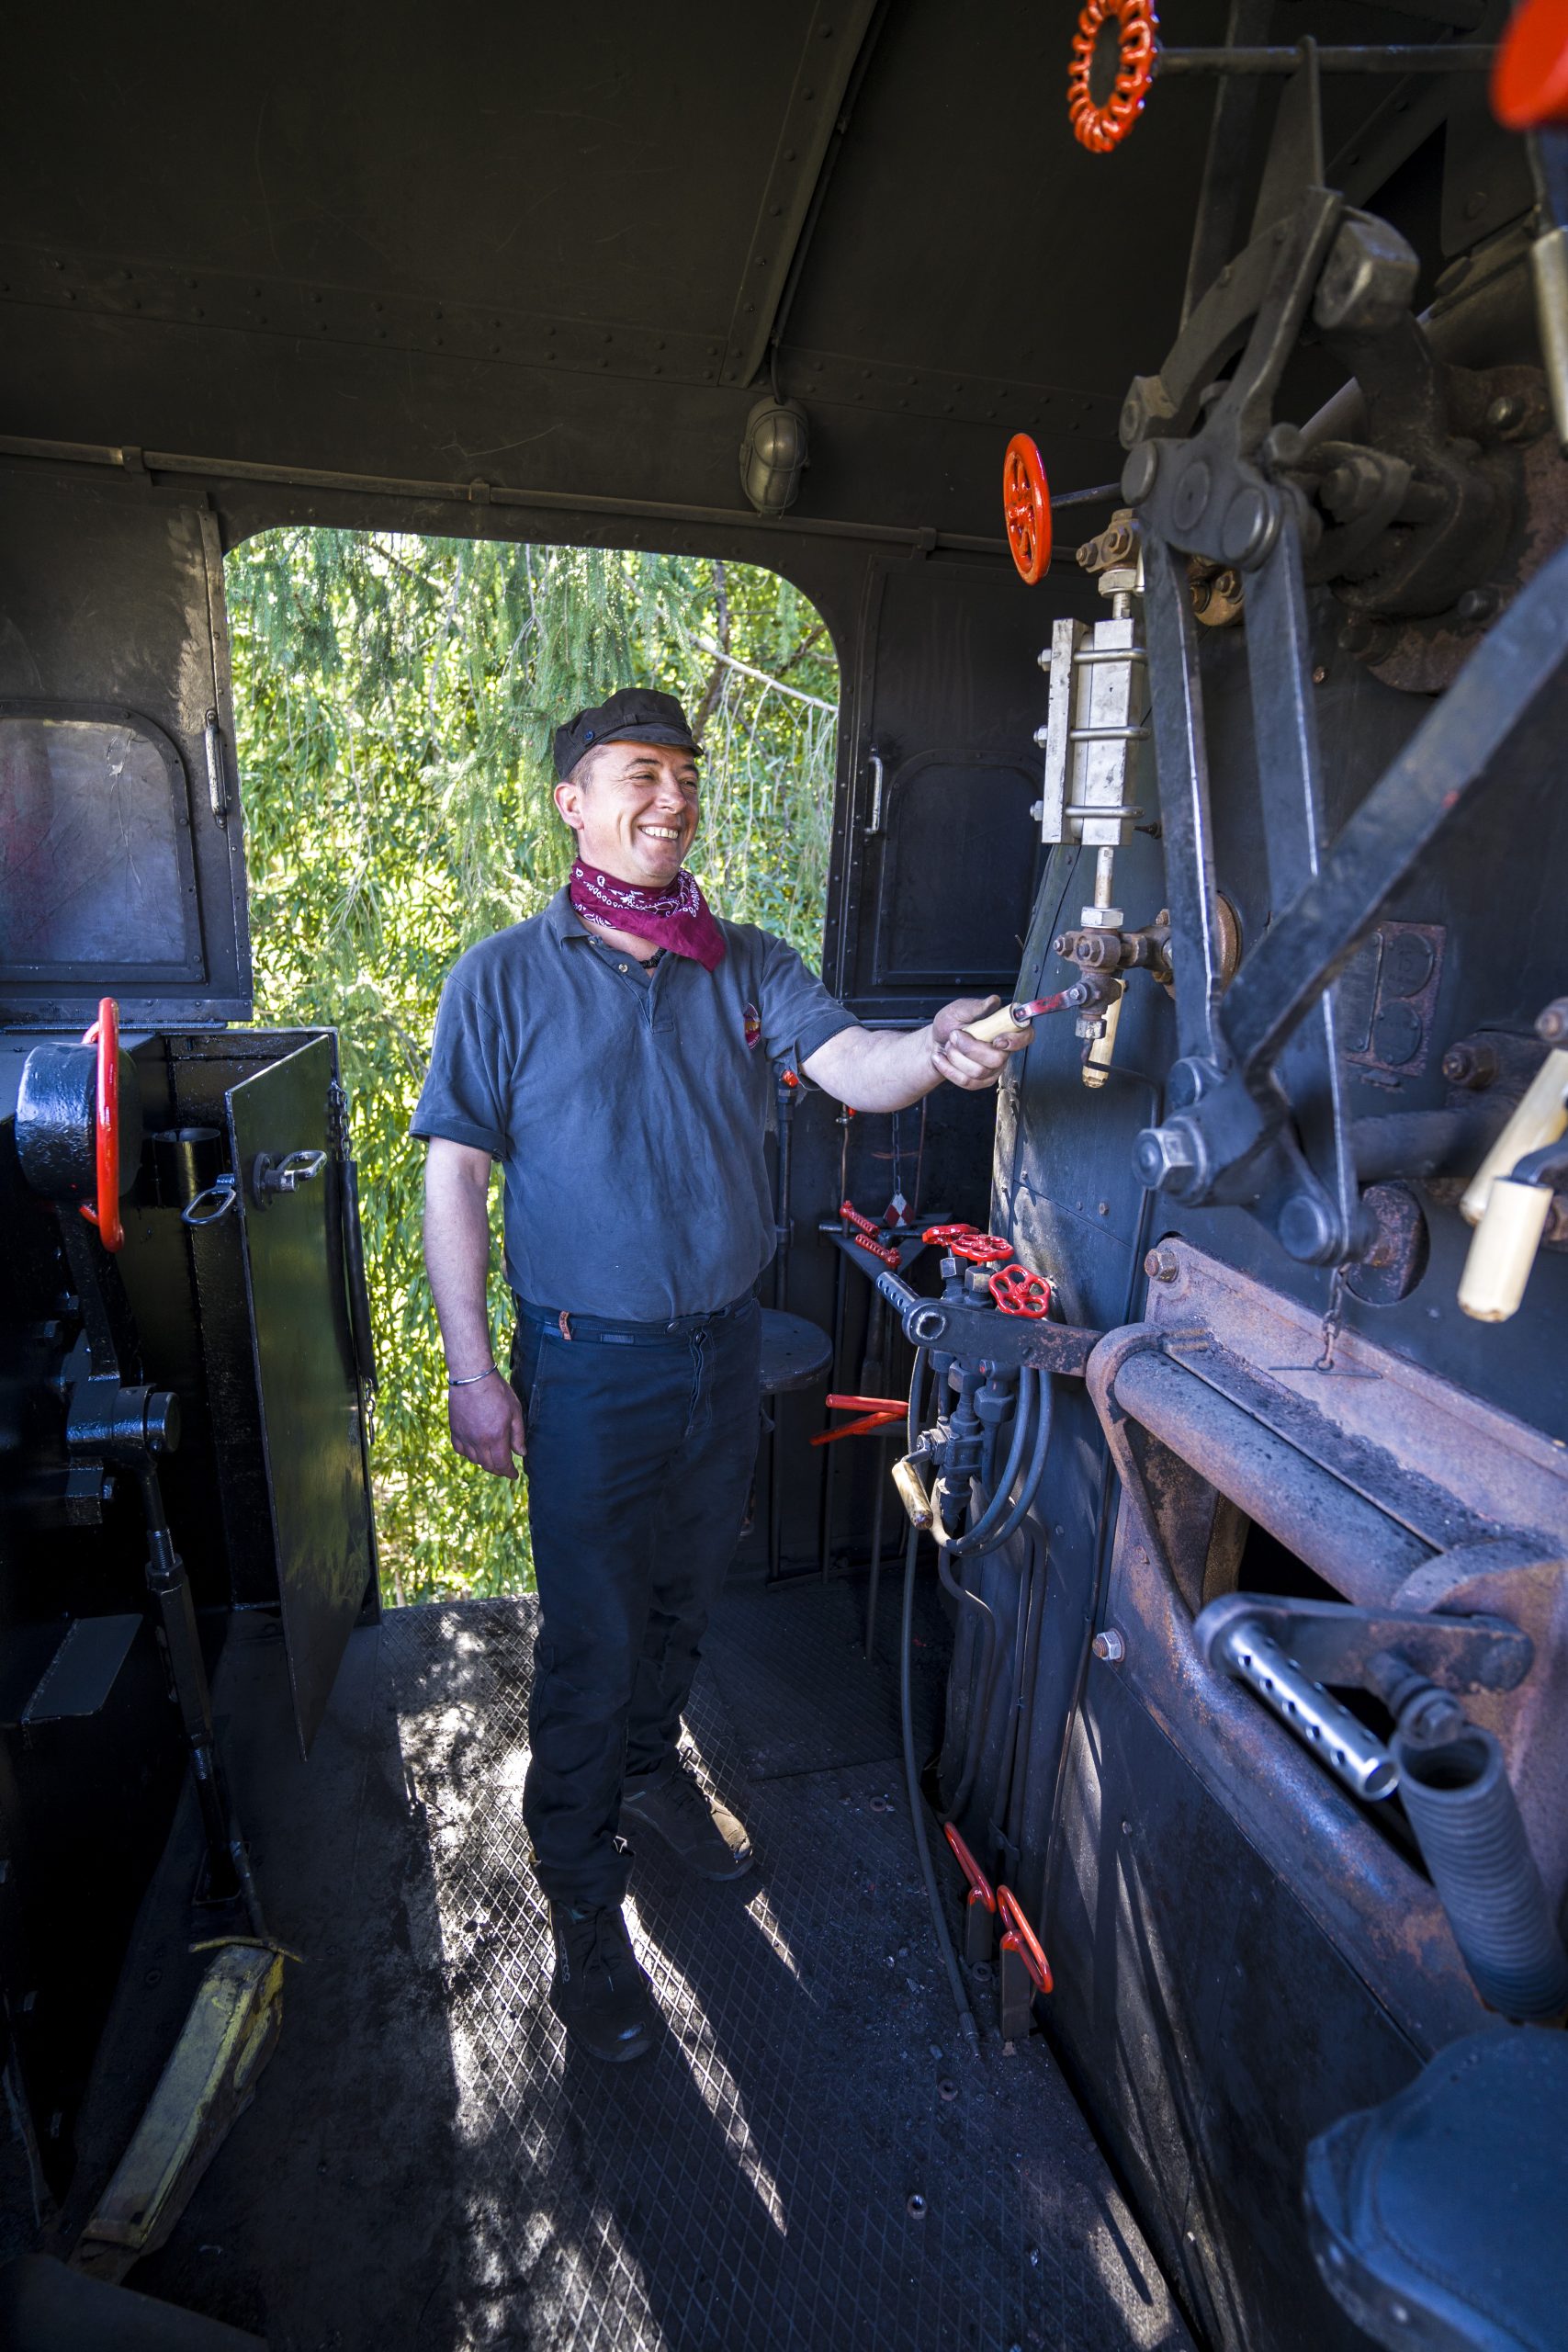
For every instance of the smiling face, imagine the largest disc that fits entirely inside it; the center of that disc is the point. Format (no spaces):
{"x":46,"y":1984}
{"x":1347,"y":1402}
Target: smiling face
{"x":634,"y":808}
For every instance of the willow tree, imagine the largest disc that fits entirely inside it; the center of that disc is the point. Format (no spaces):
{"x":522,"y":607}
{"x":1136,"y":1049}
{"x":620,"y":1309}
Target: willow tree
{"x":394,"y":699}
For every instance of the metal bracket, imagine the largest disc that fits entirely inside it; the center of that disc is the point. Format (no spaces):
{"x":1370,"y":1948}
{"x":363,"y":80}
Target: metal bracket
{"x":1331,"y":1642}
{"x":981,"y":1335}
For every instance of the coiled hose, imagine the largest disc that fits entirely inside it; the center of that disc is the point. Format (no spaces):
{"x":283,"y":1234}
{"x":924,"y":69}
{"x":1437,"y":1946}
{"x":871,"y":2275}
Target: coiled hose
{"x":1462,"y":1806}
{"x":997,"y":1524}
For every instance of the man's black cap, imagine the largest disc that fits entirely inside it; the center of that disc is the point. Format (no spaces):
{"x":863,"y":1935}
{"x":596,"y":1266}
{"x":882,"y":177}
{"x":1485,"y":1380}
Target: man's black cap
{"x":635,"y":715}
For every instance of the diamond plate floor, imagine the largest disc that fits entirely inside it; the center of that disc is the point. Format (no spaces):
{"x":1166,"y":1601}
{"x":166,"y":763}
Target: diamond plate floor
{"x":807,"y":2159}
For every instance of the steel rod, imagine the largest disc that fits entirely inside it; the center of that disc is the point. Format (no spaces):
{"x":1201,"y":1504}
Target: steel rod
{"x":1403,"y":57}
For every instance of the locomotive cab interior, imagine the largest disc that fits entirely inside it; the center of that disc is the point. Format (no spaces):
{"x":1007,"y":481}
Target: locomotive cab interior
{"x":1153,"y":1715}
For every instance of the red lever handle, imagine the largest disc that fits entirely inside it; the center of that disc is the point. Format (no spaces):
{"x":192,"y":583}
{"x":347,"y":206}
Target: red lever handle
{"x":980,"y":1885}
{"x":1021,"y":1939}
{"x":105,"y":1034}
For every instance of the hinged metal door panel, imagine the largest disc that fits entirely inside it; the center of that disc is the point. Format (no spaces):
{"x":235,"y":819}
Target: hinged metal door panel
{"x":122,"y":865}
{"x":312,"y":1407}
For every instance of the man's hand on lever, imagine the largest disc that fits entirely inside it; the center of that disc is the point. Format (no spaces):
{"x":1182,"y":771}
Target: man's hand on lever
{"x":886,"y":1069}
{"x":965,"y":1059}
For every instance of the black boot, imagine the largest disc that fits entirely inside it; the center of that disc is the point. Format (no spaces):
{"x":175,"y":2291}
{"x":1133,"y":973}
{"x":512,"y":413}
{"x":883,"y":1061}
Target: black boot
{"x":599,"y":1993}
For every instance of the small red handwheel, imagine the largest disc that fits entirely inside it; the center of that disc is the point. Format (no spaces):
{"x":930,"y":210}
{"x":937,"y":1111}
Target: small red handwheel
{"x":946,"y":1232}
{"x":981,"y":1249}
{"x":1026,"y":504}
{"x":1100,"y":128}
{"x":1529,"y":76}
{"x":105,"y":1034}
{"x":1017,"y":1291}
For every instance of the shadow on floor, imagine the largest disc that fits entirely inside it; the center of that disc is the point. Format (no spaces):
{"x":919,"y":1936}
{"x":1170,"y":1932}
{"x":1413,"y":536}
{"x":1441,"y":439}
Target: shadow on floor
{"x":427,"y":2168}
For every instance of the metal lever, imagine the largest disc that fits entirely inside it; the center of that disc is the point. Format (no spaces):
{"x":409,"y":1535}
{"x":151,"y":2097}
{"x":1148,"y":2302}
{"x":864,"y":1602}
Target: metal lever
{"x":1248,"y":1650}
{"x":269,"y":1175}
{"x":208,"y":1206}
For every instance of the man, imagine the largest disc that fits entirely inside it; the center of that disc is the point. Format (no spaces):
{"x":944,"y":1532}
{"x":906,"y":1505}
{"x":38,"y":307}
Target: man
{"x":612,"y":1053}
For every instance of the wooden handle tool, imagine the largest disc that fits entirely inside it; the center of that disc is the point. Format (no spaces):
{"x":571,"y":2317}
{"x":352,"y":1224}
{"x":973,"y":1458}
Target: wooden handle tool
{"x":1019,"y":1016}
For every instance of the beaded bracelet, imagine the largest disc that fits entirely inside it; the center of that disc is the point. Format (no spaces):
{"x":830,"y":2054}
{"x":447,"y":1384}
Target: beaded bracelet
{"x":473,"y":1379}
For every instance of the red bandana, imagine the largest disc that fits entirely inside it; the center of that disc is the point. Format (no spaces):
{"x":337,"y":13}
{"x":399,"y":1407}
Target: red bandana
{"x":678,"y":916}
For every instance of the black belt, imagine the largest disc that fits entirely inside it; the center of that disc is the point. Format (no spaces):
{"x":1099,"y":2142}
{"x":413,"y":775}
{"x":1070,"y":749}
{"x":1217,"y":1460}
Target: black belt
{"x":615,"y":1332}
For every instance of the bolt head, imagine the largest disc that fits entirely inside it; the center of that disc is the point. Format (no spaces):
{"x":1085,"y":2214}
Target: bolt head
{"x":1477,"y":605}
{"x":1250,"y":527}
{"x":1141,"y":471}
{"x":1159,"y":1154}
{"x":1507,"y":414}
{"x":1110,"y":1646}
{"x":1306,"y":1230}
{"x":1162,"y":1265}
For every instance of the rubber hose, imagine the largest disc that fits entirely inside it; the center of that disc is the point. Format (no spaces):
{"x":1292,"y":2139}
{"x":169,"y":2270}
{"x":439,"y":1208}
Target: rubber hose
{"x":966,"y":2024}
{"x":953,"y":1583}
{"x":916,"y":1400}
{"x":1462,"y":1806}
{"x":1032,"y":1477}
{"x":976,"y":1539}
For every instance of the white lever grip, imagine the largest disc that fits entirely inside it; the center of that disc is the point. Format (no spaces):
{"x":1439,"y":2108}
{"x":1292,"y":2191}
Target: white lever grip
{"x":1502,"y":1248}
{"x":998,"y":1024}
{"x":1540,"y":1119}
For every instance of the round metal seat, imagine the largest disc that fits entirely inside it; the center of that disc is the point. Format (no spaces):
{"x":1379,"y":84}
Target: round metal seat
{"x":795,"y":1351}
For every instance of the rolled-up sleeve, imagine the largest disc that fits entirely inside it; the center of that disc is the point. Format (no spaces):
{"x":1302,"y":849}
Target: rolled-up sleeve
{"x":461,"y":1098}
{"x":798,"y":1014}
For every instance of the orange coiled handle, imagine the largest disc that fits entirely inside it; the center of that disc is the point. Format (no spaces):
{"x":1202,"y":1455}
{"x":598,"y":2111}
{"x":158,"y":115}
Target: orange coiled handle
{"x":105,"y":1034}
{"x":1102,"y":128}
{"x":1026,"y":508}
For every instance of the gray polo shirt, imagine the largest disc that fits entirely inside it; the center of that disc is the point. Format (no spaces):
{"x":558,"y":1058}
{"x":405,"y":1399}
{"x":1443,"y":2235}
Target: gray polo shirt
{"x":627,"y":1109}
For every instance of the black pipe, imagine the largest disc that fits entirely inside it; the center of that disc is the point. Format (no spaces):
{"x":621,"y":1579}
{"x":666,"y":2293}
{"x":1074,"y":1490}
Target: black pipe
{"x":229,"y":1865}
{"x":1461,"y":1803}
{"x":966,"y":2024}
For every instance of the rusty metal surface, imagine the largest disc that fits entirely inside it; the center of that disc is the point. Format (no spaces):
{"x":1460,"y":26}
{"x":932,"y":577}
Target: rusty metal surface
{"x":1439,"y":1502}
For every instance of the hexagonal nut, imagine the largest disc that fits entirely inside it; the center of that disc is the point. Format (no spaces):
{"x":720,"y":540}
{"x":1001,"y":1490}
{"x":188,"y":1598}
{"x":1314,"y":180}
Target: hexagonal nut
{"x":1110,"y":1646}
{"x":1162,"y":1265}
{"x":1159,"y":1154}
{"x":1369,"y":278}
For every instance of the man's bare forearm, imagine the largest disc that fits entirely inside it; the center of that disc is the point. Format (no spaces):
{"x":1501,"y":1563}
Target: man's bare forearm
{"x":886,"y":1069}
{"x":456,"y":1251}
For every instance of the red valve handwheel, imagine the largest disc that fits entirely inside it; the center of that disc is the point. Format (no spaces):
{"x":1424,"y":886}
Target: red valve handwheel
{"x":981,"y":1249}
{"x":105,"y":1034}
{"x":946,"y":1232}
{"x":1021,"y":1939}
{"x":1102,"y":128}
{"x":1026,"y":507}
{"x":1019,"y":1292}
{"x":1529,"y":76}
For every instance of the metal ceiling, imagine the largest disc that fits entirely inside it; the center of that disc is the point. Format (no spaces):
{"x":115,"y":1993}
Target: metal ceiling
{"x":547,"y":251}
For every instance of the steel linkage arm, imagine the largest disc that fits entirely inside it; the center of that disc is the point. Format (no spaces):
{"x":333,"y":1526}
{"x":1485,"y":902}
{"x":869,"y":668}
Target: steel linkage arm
{"x":1231,"y":1140}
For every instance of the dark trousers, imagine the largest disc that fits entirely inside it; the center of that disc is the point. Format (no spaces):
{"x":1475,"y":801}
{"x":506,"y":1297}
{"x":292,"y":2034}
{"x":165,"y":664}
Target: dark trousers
{"x":641,"y":1442}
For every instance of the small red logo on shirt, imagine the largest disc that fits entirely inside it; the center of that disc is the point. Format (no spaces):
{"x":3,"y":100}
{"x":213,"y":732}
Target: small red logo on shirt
{"x":753,"y":1027}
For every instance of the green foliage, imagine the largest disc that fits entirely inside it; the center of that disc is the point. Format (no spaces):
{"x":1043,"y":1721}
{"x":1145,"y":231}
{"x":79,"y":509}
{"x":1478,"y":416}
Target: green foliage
{"x":395,"y":700}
